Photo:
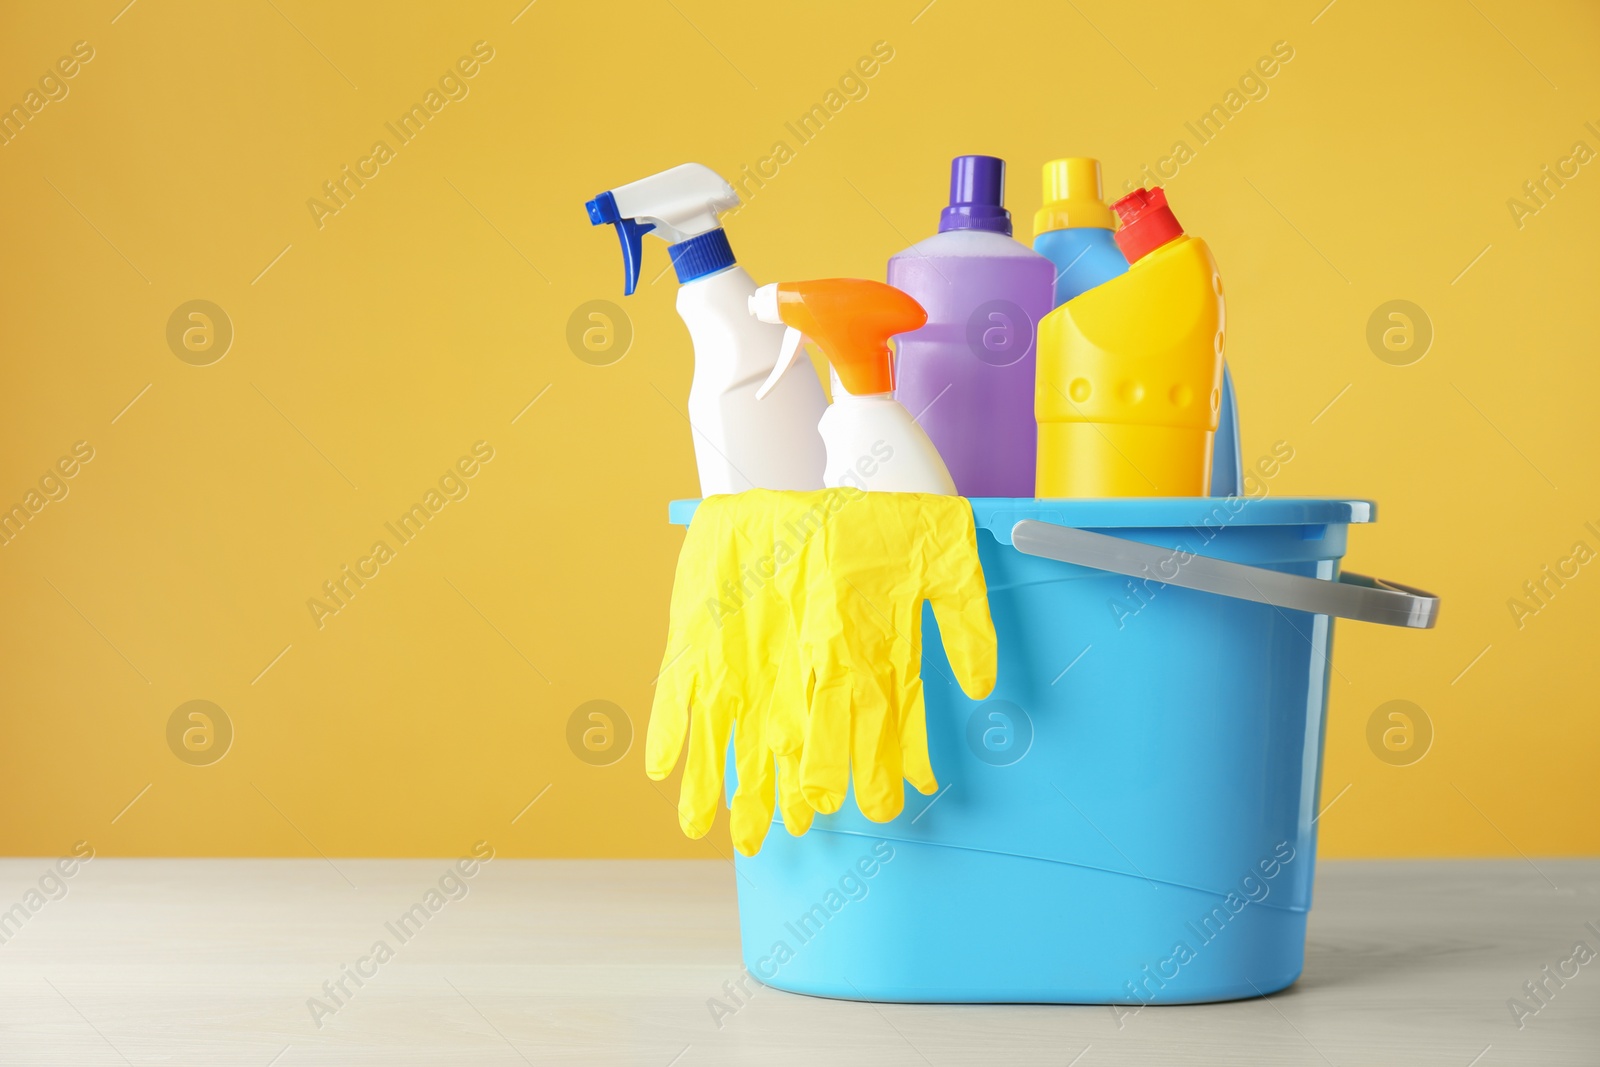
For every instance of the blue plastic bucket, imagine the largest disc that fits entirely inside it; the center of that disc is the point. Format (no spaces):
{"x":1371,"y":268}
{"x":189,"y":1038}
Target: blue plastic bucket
{"x":1130,"y":817}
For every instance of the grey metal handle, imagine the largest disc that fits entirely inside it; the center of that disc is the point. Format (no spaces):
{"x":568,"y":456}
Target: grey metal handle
{"x":1352,"y":596}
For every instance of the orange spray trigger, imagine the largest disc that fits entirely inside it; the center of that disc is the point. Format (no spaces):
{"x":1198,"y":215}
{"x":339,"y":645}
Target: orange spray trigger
{"x":850,"y":319}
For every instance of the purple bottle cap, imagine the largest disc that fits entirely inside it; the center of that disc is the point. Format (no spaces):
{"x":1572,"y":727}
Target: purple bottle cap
{"x":977,"y":196}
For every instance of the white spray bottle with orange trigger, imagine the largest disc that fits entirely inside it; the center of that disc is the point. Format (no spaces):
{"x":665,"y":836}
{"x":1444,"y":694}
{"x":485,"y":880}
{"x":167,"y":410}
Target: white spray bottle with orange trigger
{"x":873,"y":442}
{"x":738,"y":443}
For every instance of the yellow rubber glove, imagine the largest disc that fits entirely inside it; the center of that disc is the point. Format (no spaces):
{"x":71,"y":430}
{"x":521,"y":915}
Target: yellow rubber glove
{"x":856,"y":590}
{"x":845,"y":572}
{"x":730,"y":666}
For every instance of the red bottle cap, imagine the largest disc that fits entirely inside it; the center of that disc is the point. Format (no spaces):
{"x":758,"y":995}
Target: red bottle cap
{"x":1147,"y":223}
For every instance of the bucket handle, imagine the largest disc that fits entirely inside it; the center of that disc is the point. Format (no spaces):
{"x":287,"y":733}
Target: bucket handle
{"x":1350,"y":596}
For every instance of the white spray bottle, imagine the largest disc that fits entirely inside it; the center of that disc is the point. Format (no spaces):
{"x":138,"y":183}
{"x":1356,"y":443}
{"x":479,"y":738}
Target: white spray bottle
{"x":738,"y":444}
{"x":873,"y":442}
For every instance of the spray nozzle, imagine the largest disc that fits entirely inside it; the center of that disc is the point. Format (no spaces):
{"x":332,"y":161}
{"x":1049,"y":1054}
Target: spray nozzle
{"x":850,"y":319}
{"x":677,"y":205}
{"x":603,"y":210}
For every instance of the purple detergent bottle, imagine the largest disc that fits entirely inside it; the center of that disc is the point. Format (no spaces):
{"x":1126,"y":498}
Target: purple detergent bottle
{"x":967,"y":377}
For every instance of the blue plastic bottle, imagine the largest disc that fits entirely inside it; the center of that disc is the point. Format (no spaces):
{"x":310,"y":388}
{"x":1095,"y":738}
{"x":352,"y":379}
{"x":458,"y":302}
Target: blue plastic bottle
{"x":1073,"y":228}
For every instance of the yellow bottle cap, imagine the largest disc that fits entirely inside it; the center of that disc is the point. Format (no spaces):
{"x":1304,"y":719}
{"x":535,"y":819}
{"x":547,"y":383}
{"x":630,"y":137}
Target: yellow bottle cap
{"x":1072,"y":197}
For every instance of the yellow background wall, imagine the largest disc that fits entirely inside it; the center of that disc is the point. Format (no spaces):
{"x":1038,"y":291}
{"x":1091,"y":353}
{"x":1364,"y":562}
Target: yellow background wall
{"x":371,"y":352}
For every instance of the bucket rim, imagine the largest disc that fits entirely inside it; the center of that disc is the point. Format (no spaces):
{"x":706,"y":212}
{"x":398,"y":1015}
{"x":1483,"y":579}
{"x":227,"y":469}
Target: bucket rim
{"x":999,"y":514}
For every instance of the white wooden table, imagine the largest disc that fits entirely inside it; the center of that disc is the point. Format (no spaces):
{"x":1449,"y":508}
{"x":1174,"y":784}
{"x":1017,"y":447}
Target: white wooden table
{"x":214,"y":962}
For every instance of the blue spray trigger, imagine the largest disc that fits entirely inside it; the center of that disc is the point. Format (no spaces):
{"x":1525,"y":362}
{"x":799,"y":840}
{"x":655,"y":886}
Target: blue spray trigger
{"x":630,"y":233}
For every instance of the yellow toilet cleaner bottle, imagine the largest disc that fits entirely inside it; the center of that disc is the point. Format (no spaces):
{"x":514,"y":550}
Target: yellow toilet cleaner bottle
{"x":1130,"y":372}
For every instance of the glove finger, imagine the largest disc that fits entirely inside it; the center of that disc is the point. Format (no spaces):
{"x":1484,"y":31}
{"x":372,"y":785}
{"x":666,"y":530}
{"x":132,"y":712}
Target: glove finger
{"x":669,"y":720}
{"x":969,"y":643}
{"x":913,"y":721}
{"x":875,"y":749}
{"x":825,"y":761}
{"x":702,"y":774}
{"x":785,"y":734}
{"x":753,"y":801}
{"x":955,"y":587}
{"x":914,"y":739}
{"x":683,"y":662}
{"x":787,"y":711}
{"x":797,"y":811}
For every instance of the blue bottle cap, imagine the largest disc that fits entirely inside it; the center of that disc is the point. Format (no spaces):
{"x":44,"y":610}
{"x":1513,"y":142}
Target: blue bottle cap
{"x":700,"y":255}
